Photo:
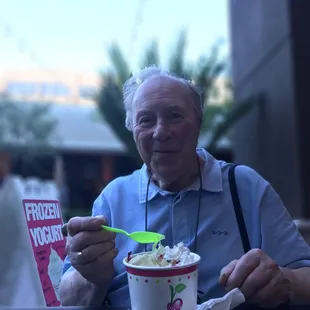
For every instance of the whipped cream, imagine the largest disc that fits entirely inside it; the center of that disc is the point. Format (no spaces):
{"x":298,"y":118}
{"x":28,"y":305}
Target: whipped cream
{"x":162,"y":256}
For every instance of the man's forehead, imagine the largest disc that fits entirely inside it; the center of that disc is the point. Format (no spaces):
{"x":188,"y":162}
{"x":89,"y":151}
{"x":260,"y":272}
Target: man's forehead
{"x":161,"y":86}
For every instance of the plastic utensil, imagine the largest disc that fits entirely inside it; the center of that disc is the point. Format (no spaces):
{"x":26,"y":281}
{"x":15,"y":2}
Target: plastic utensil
{"x":139,"y":236}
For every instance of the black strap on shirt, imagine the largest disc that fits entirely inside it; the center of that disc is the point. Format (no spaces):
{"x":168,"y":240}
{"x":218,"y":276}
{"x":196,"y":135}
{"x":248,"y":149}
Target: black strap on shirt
{"x":238,"y":211}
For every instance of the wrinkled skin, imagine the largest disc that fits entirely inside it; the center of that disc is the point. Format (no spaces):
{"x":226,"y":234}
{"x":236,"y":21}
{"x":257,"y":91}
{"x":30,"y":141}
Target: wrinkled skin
{"x":166,"y":127}
{"x":97,"y":247}
{"x":259,"y":278}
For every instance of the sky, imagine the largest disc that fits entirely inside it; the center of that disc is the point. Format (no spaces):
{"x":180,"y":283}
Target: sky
{"x":74,"y":34}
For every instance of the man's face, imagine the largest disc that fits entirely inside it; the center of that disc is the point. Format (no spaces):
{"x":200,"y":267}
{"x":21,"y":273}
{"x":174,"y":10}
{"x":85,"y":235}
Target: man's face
{"x":165,"y":125}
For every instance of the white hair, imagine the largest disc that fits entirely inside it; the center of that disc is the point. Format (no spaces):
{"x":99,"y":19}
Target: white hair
{"x":135,"y":81}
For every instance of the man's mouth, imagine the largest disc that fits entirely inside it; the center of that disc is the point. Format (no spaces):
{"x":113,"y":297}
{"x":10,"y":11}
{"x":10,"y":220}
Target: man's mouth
{"x":165,"y":151}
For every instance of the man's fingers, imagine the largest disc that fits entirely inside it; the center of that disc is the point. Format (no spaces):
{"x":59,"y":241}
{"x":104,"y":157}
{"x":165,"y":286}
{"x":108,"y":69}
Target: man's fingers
{"x":278,"y":287}
{"x":259,"y":278}
{"x":227,"y":271}
{"x":78,"y":224}
{"x":100,"y":269}
{"x":244,"y":267}
{"x":84,"y":239}
{"x":91,"y":253}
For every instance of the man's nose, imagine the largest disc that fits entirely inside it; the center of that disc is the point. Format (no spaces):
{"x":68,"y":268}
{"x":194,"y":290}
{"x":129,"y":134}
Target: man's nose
{"x":161,"y":132}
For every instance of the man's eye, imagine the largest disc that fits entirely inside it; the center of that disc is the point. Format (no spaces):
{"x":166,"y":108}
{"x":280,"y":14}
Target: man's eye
{"x":177,"y":116}
{"x":145,"y":120}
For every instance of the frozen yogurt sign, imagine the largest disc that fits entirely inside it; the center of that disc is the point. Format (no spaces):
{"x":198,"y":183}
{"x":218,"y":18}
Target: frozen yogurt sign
{"x":39,"y":211}
{"x":44,"y":222}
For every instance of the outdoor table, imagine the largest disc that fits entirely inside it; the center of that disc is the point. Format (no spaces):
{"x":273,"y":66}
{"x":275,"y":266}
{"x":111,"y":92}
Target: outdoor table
{"x":241,"y":307}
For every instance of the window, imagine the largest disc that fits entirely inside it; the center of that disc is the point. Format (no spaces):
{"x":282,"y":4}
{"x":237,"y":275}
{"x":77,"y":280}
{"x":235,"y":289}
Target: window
{"x":21,"y":88}
{"x":87,"y":92}
{"x":54,"y":90}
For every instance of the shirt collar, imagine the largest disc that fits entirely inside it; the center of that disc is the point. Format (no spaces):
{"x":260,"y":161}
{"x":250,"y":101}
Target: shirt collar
{"x":211,"y":178}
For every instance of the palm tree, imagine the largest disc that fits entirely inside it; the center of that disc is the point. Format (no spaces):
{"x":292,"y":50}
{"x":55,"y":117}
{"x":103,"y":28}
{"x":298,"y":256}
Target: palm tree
{"x":218,"y":119}
{"x":25,"y":124}
{"x":26,"y":128}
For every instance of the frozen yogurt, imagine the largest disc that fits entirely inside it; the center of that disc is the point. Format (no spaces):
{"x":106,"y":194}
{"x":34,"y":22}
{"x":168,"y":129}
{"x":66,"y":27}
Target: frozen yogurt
{"x":162,"y":256}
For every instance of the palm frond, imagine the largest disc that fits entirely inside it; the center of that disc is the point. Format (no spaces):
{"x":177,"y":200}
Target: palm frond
{"x":27,"y":124}
{"x":208,"y":69}
{"x":27,"y":129}
{"x":212,"y":112}
{"x":110,"y":108}
{"x":176,"y":63}
{"x":237,"y":111}
{"x":151,"y":56}
{"x":119,"y":63}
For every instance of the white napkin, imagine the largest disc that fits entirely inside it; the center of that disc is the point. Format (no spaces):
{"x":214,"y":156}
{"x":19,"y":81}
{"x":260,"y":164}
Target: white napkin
{"x":230,"y":301}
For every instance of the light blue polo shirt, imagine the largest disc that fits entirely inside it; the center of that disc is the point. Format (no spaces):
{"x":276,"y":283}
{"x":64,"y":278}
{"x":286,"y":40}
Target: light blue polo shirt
{"x":268,"y":223}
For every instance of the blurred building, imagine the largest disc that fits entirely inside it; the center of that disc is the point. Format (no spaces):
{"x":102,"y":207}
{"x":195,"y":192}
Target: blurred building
{"x":89,"y":155}
{"x":85,"y":156}
{"x":270,"y":56}
{"x":50,"y":86}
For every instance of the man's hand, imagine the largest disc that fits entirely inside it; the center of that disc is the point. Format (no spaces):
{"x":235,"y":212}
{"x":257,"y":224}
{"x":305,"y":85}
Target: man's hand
{"x":91,"y":249}
{"x":259,"y":278}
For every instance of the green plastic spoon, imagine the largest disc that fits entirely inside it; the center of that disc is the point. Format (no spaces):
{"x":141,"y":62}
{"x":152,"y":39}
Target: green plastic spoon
{"x":139,"y":236}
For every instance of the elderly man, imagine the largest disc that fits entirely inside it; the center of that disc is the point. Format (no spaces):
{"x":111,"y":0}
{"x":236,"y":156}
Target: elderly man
{"x":241,"y":229}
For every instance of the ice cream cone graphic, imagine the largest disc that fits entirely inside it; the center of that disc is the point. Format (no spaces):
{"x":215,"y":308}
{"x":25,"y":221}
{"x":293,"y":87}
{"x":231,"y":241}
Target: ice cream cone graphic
{"x":55,"y":271}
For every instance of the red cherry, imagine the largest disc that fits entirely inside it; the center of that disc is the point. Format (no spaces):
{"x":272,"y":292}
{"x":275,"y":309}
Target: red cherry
{"x":176,"y":305}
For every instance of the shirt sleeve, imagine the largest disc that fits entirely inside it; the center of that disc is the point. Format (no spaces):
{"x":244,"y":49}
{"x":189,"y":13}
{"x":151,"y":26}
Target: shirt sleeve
{"x":281,"y":239}
{"x":100,"y":207}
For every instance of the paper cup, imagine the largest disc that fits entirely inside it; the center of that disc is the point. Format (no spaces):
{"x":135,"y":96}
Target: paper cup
{"x":163,"y":288}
